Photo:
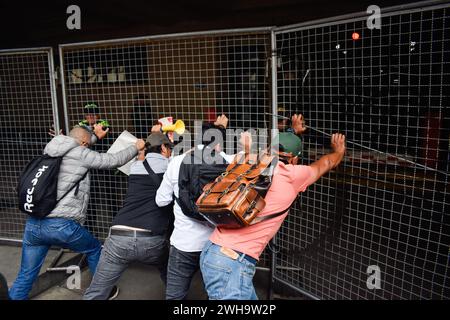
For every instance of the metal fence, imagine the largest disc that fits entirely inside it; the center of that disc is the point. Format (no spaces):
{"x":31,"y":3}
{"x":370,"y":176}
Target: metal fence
{"x":191,"y":77}
{"x":387,"y":205}
{"x":27,"y":110}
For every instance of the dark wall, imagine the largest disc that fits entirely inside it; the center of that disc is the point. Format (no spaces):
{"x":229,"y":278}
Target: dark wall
{"x":43,"y":23}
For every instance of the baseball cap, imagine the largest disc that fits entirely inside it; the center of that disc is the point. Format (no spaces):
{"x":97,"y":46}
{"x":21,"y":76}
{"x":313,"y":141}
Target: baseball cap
{"x":91,"y":107}
{"x":289,"y":143}
{"x":158,"y":138}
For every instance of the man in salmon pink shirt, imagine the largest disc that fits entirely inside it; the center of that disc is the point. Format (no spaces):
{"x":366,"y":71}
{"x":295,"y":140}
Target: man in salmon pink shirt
{"x":228,"y":261}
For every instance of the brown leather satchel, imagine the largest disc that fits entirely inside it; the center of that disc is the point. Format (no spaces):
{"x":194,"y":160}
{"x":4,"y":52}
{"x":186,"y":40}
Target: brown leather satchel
{"x":236,"y":197}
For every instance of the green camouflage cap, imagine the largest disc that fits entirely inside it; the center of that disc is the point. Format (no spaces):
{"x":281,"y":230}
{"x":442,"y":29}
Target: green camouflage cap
{"x":91,"y":107}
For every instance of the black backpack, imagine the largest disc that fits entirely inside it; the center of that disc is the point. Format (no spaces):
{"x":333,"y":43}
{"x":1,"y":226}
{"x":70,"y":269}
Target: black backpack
{"x":38,"y":186}
{"x":192,"y":178}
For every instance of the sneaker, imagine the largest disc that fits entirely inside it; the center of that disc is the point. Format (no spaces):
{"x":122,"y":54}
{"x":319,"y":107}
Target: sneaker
{"x":114,"y":293}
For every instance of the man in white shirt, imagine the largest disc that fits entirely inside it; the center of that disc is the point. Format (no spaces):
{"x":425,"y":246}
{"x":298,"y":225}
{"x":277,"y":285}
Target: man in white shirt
{"x":189,"y":235}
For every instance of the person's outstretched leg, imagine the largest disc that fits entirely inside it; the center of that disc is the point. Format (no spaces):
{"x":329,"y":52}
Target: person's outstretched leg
{"x":77,"y":238}
{"x":181,"y":268}
{"x":33,"y":256}
{"x":113,"y":262}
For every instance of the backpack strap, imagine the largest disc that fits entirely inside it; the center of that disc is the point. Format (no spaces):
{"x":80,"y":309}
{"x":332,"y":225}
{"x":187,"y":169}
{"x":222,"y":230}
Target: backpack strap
{"x":157,"y":179}
{"x":271,"y":216}
{"x":235,"y":163}
{"x":219,"y":179}
{"x":77,"y":184}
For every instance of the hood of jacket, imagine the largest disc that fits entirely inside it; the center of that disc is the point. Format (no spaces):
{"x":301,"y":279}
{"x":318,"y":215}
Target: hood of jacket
{"x":60,"y":145}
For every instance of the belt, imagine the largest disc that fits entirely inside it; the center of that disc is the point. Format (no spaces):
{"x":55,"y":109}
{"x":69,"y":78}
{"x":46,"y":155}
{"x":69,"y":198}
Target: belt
{"x":248,"y":258}
{"x":130,"y":233}
{"x":236,"y":255}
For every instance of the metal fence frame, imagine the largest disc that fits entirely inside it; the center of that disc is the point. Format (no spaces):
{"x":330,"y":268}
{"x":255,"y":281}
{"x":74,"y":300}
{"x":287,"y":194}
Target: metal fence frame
{"x":348,"y":18}
{"x":274,"y":32}
{"x":52,"y":92}
{"x":143,"y":38}
{"x":51,"y":70}
{"x":245,"y":32}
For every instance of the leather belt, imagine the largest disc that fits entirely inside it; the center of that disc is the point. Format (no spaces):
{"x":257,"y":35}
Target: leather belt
{"x":235,"y":255}
{"x":249,"y":258}
{"x":130,"y":233}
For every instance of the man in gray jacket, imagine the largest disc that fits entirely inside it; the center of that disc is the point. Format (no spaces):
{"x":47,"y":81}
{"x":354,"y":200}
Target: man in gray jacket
{"x":63,"y":226}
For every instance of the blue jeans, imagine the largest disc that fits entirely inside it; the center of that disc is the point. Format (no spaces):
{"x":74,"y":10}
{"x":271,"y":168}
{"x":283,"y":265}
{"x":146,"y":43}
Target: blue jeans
{"x":225,"y":278}
{"x":39,"y":236}
{"x":180,"y":271}
{"x":118,"y":252}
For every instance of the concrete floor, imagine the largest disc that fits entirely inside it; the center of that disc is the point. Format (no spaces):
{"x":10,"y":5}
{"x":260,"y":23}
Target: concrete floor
{"x":10,"y":261}
{"x":138,"y":282}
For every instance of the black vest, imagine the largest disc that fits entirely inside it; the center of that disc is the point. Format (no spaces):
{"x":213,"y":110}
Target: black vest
{"x":140,"y":209}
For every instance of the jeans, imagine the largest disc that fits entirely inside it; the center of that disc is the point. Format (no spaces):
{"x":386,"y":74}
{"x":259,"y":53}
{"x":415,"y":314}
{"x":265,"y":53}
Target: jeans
{"x":180,"y":271}
{"x":118,"y":252}
{"x":39,"y":236}
{"x":225,"y":278}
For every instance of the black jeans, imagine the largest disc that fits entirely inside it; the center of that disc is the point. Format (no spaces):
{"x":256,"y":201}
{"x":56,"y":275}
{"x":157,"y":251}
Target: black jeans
{"x":181,"y":268}
{"x":118,"y":253}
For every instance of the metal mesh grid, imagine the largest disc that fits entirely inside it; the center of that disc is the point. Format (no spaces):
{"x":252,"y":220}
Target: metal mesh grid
{"x":26,"y":113}
{"x":388,"y":203}
{"x":136,"y":82}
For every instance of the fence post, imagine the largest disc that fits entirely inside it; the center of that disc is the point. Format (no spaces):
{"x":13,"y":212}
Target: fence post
{"x":274,"y":131}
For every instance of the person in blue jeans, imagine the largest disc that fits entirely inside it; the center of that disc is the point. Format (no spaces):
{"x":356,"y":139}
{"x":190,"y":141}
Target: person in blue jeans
{"x":39,"y":236}
{"x":228,"y":261}
{"x":63,"y":227}
{"x":225,"y":278}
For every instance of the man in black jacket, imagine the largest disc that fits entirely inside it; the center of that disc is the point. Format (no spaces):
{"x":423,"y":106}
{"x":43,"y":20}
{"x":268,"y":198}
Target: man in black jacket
{"x":139,"y":231}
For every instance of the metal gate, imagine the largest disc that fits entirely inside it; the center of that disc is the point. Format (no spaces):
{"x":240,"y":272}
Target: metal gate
{"x":195,"y":76}
{"x":28,"y":107}
{"x":385,"y":210}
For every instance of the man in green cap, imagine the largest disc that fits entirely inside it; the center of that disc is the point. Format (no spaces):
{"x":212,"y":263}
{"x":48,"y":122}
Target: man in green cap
{"x":284,"y":124}
{"x":91,"y":117}
{"x":92,"y":112}
{"x":228,"y":261}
